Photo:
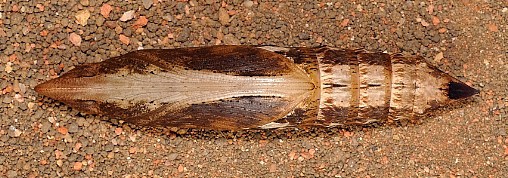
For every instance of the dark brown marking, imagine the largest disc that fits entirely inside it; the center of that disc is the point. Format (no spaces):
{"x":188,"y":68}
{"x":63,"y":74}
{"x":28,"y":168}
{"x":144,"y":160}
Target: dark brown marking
{"x":380,"y":59}
{"x":394,"y":113}
{"x":340,"y":57}
{"x":340,"y":115}
{"x":335,"y":114}
{"x":295,"y":118}
{"x":302,"y":55}
{"x":400,"y":59}
{"x":234,"y":60}
{"x":110,"y":66}
{"x":107,"y":109}
{"x":228,"y":114}
{"x":306,"y":59}
{"x":379,"y":114}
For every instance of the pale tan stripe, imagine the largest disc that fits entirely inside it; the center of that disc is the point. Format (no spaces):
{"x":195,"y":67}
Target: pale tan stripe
{"x":274,"y":48}
{"x":325,"y":77}
{"x":341,"y":96}
{"x":373,"y":96}
{"x":341,"y":74}
{"x":388,"y":85}
{"x":325,"y":91}
{"x":183,"y":87}
{"x":376,"y":96}
{"x":375,"y":74}
{"x":273,"y":125}
{"x":334,"y":96}
{"x":363,"y":76}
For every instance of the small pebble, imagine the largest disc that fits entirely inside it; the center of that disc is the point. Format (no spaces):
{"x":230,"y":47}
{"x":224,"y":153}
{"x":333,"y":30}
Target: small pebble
{"x":147,"y":4}
{"x":223,"y":16}
{"x":344,"y":23}
{"x":435,"y":21}
{"x":438,"y":57}
{"x":492,"y":27}
{"x":77,"y":166}
{"x":127,"y":16}
{"x":15,"y":86}
{"x":133,"y":150}
{"x":59,"y":163}
{"x":141,"y":22}
{"x":14,"y":132}
{"x":22,"y":88}
{"x":12,"y":174}
{"x":30,"y":105}
{"x":81,"y":121}
{"x":62,"y":130}
{"x":118,"y":131}
{"x":184,"y":35}
{"x":168,"y":18}
{"x":105,"y":10}
{"x":248,"y":4}
{"x":172,"y":156}
{"x":73,"y":128}
{"x":99,"y":21}
{"x":442,"y":30}
{"x":8,"y":67}
{"x":84,"y":2}
{"x":230,"y":39}
{"x":7,"y":99}
{"x":82,"y":17}
{"x":124,"y":39}
{"x":425,"y":23}
{"x":45,"y":127}
{"x":51,"y":119}
{"x":75,"y":39}
{"x":304,"y":36}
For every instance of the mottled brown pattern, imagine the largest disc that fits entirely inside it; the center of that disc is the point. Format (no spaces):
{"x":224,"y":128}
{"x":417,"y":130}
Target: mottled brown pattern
{"x":381,"y":59}
{"x":236,"y":60}
{"x":104,"y":108}
{"x":340,"y":57}
{"x":229,"y":114}
{"x":294,"y":87}
{"x":336,"y":114}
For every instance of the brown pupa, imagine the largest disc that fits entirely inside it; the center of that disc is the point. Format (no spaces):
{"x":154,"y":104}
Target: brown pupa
{"x":257,"y":87}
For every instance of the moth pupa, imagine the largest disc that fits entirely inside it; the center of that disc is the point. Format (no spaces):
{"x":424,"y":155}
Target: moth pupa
{"x":257,"y":87}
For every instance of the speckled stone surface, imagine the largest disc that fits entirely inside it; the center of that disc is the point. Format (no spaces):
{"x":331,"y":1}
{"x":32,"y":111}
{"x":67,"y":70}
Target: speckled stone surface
{"x":40,"y":137}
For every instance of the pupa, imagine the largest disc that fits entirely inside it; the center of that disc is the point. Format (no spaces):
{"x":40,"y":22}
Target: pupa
{"x":257,"y":87}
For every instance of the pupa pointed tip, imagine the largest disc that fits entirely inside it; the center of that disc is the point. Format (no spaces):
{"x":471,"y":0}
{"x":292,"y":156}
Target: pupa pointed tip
{"x":458,"y":90}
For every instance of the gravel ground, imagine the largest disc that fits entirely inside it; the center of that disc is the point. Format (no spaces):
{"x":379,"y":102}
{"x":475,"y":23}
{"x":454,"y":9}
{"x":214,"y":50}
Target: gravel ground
{"x":40,"y":40}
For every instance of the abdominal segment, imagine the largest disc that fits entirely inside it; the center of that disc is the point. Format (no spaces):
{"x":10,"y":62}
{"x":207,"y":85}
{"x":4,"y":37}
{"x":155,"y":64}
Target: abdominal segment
{"x":256,"y":87}
{"x":360,"y":88}
{"x":355,"y":87}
